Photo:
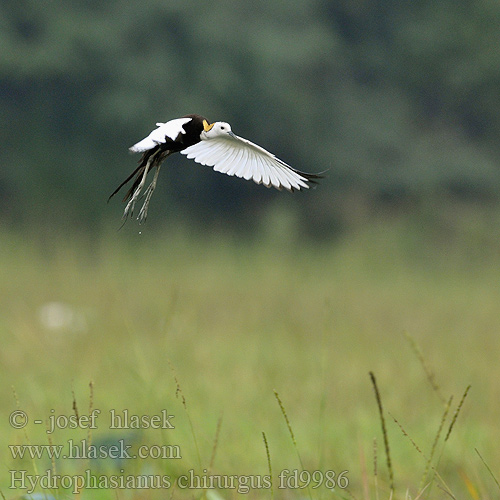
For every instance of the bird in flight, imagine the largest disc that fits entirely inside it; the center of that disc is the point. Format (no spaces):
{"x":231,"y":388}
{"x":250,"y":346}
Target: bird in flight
{"x":212,"y":144}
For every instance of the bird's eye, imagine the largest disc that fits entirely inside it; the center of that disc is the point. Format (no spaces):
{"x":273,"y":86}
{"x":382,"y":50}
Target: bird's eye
{"x":222,"y":128}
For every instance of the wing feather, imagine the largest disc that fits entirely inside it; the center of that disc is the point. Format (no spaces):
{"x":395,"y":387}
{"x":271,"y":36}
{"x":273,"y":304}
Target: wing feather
{"x":242,"y":160}
{"x":247,"y":171}
{"x":239,"y":168}
{"x":264,"y":177}
{"x":234,"y":155}
{"x":224,"y":152}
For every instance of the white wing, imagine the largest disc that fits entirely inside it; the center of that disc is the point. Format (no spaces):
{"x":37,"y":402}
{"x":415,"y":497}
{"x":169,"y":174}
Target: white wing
{"x":233,"y":155}
{"x":171,"y":129}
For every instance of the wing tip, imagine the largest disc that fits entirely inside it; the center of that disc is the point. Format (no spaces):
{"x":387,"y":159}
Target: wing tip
{"x":140,"y":147}
{"x":311,"y":179}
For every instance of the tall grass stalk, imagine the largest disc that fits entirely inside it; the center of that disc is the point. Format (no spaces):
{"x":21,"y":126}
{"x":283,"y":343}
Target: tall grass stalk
{"x":74,"y":405}
{"x":269,"y":467}
{"x":457,"y":412}
{"x":216,"y":442}
{"x":428,"y":464}
{"x":428,"y":372}
{"x":428,"y":460}
{"x":179,"y":393}
{"x":384,"y":431}
{"x":375,"y":468}
{"x":447,"y":491}
{"x":91,"y":407}
{"x":18,"y":405}
{"x":290,"y":430}
{"x":364,"y":474}
{"x":450,"y":428}
{"x":488,"y":468}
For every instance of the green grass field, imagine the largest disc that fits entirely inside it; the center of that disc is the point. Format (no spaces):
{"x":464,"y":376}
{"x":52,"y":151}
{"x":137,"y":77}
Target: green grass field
{"x":208,"y":328}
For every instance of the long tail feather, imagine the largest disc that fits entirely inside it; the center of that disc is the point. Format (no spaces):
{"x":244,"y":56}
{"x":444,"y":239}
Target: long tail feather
{"x":139,"y":169}
{"x":137,"y":181}
{"x":155,"y":156}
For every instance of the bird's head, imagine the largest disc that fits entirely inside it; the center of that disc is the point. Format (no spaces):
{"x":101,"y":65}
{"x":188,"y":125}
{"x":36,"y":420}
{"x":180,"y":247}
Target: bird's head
{"x":210,"y":131}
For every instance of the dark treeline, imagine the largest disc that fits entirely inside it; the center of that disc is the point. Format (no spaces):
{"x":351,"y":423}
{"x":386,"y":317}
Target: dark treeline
{"x":398,"y":99}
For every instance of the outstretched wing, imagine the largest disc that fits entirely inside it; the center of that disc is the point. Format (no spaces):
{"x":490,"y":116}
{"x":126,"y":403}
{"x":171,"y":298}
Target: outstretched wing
{"x":233,"y":155}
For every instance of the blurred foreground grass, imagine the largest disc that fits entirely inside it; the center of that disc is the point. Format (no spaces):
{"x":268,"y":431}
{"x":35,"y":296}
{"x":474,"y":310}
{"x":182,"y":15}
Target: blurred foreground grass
{"x":209,"y":328}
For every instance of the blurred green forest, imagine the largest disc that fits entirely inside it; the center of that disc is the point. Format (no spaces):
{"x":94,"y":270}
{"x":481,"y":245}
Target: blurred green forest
{"x":398,"y":100}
